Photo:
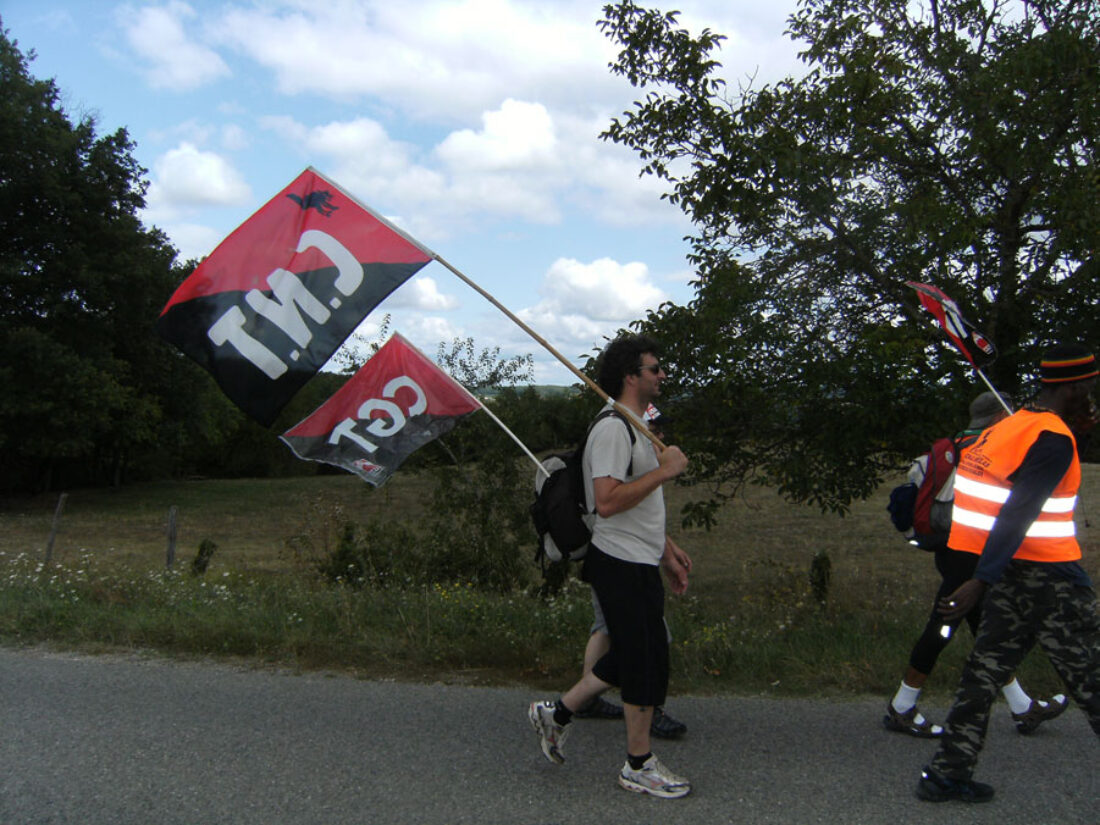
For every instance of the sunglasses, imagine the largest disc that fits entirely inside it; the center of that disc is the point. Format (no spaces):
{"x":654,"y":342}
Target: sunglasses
{"x":653,"y":368}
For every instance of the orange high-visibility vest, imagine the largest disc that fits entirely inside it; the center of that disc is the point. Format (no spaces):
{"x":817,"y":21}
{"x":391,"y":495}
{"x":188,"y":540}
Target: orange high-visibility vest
{"x":982,"y":486}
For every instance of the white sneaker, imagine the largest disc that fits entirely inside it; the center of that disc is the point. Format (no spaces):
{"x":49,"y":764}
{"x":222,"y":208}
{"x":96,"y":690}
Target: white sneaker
{"x":654,"y":778}
{"x":551,"y":734}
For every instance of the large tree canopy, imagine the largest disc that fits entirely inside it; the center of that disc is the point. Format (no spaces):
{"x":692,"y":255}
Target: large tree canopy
{"x":953,"y":142}
{"x":87,"y":386}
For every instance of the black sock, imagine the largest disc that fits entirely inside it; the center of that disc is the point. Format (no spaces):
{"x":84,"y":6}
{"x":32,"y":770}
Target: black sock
{"x":562,"y":714}
{"x":636,"y":762}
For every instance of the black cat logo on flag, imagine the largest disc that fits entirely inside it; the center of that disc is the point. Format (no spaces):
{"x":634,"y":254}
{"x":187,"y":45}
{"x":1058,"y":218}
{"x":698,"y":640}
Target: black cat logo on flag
{"x":975,"y":347}
{"x":269,"y":306}
{"x":396,"y":403}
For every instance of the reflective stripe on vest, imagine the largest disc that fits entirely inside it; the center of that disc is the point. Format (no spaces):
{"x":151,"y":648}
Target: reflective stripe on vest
{"x":982,"y":486}
{"x":988,"y":492}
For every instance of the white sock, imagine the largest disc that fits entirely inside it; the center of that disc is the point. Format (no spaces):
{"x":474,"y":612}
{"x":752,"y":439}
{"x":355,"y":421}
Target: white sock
{"x":1018,"y":701}
{"x":936,"y":730}
{"x":905,"y":698}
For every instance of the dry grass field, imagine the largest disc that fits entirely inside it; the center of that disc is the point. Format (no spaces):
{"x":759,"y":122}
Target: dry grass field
{"x":251,"y":520}
{"x":749,"y":621}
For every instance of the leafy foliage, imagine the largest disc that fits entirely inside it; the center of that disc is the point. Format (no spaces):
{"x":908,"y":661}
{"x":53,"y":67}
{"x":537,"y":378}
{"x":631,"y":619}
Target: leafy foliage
{"x":88,"y":388}
{"x":485,"y":370}
{"x":952,"y":142}
{"x":477,"y":530}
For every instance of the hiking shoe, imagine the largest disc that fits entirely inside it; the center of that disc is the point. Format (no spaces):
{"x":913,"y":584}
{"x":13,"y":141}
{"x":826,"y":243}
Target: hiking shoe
{"x":1030,"y":719}
{"x":665,"y":727}
{"x":911,"y":722}
{"x":935,"y":788}
{"x":654,"y":778}
{"x":551,"y":734}
{"x":599,"y":708}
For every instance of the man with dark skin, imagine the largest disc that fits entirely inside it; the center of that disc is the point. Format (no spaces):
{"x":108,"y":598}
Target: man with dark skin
{"x":955,"y":567}
{"x":1015,"y":493}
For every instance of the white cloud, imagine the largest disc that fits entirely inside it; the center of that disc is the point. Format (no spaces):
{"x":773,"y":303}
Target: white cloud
{"x":188,"y":177}
{"x":511,"y":167}
{"x":428,"y":58}
{"x":422,"y":293}
{"x":363,"y":145}
{"x":464,"y":117}
{"x":428,"y":331}
{"x":193,"y":241}
{"x":173,"y":60}
{"x":582,"y":303}
{"x":605,"y":178}
{"x":603,"y":290}
{"x":447,"y":60}
{"x":361,"y":157}
{"x":518,"y":135}
{"x":425,"y":331}
{"x":516,"y":166}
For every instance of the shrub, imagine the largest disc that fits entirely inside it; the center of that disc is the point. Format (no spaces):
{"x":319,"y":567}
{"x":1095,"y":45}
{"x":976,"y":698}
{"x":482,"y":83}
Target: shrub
{"x":479,"y":528}
{"x":376,"y":553}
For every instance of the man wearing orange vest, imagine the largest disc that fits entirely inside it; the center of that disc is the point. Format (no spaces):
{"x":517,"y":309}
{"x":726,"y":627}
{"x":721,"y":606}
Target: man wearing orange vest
{"x":1015,"y":493}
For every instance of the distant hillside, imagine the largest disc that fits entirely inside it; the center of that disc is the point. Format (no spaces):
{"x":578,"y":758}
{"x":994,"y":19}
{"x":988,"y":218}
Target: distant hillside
{"x":556,"y":390}
{"x":544,"y":390}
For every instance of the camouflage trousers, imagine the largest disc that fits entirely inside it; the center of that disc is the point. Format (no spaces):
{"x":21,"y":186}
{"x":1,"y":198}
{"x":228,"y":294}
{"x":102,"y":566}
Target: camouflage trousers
{"x":1029,"y":605}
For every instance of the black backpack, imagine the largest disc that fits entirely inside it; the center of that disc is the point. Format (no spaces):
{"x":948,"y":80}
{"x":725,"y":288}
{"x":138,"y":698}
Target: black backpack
{"x":559,"y":511}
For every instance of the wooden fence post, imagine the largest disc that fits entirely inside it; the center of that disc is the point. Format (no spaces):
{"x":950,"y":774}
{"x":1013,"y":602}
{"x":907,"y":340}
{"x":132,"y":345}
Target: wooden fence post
{"x":171,"y":554}
{"x":56,"y":526}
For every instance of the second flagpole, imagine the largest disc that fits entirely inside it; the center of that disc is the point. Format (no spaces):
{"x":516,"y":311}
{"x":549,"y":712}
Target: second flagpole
{"x":584,"y":378}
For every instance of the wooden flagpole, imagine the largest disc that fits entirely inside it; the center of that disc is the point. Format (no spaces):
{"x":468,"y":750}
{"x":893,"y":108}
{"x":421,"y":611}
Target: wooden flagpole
{"x":481,"y":406}
{"x":588,"y":381}
{"x":592,"y":385}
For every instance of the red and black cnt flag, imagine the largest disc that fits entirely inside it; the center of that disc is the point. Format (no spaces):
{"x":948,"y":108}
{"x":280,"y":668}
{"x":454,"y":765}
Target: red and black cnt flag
{"x":269,"y":306}
{"x":396,"y":403}
{"x":975,"y":346}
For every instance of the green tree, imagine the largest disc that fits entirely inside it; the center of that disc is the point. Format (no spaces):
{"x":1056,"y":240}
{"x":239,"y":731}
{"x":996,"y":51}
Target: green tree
{"x":945,"y":141}
{"x":484,"y":373}
{"x":89,"y":391}
{"x":486,"y":370}
{"x":479,"y":529}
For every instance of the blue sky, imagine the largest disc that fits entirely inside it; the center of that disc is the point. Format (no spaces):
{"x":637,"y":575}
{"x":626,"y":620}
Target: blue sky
{"x":471,"y":124}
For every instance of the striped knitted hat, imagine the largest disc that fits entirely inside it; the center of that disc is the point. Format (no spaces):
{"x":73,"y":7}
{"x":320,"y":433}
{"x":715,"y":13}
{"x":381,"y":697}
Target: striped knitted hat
{"x":1067,"y":362}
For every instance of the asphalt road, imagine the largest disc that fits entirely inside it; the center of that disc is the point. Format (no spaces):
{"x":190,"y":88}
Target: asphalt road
{"x":144,"y":741}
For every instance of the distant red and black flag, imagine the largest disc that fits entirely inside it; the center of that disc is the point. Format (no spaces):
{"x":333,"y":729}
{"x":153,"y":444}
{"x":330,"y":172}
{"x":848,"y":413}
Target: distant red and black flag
{"x":396,"y":403}
{"x":974,"y":345}
{"x":269,"y":306}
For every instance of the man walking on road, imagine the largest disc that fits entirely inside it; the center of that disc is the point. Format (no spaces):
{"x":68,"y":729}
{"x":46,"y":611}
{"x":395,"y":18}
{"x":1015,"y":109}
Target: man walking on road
{"x":956,"y":567}
{"x":623,"y":478}
{"x":664,"y":726}
{"x":1015,"y":493}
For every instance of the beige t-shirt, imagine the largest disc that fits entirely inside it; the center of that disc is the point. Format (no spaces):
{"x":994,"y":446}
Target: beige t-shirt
{"x":637,"y":534}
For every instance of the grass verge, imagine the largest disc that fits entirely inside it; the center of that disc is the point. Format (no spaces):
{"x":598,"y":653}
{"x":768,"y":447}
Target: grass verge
{"x":752,"y":624}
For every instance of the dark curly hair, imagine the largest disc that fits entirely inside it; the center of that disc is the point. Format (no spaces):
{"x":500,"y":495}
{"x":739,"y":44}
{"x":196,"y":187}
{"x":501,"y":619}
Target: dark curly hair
{"x":623,"y":357}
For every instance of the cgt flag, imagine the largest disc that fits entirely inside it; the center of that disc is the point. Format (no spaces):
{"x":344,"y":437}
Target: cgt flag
{"x":397,"y":402}
{"x":269,"y":306}
{"x":977,"y":349}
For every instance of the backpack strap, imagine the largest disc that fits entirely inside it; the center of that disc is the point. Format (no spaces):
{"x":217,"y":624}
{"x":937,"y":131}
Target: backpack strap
{"x":629,"y":431}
